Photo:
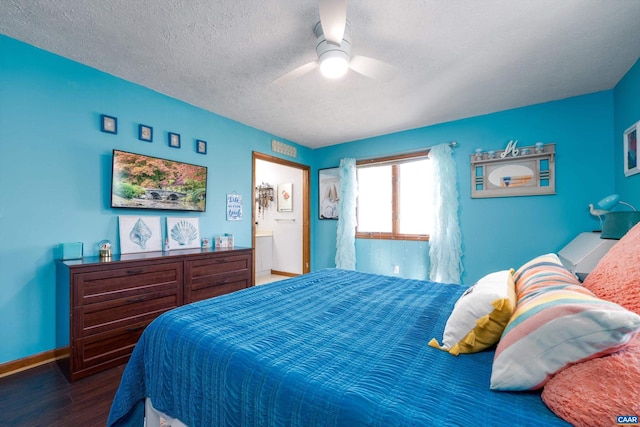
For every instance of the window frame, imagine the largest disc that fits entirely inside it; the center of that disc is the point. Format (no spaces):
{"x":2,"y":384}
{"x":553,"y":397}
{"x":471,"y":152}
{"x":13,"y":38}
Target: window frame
{"x":395,"y":161}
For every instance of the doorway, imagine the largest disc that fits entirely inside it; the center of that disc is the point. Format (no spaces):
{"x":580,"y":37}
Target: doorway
{"x":280,"y":217}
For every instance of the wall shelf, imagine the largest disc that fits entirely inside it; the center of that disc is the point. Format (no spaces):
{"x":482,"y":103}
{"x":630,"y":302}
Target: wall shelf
{"x":528,"y":174}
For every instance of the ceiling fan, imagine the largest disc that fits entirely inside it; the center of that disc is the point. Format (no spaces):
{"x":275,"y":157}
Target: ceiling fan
{"x":333,"y":47}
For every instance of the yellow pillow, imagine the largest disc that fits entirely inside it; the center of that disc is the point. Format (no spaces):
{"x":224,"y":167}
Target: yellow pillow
{"x":480,"y":315}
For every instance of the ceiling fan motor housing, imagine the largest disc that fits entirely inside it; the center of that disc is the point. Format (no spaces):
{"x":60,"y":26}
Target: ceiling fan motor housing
{"x":328,"y":51}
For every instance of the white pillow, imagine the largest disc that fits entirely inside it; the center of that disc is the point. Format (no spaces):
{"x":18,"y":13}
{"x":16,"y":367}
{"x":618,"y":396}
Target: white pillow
{"x":480,"y":315}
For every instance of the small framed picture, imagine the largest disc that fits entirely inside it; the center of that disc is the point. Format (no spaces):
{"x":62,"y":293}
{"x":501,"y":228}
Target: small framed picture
{"x":145,"y":133}
{"x":174,"y":140}
{"x":631,"y":166}
{"x":201,"y":146}
{"x":328,"y":192}
{"x":285,"y":197}
{"x":108,"y":124}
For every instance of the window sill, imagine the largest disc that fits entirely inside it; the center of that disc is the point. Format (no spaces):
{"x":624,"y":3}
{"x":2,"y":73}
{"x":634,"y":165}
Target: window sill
{"x":389,"y":236}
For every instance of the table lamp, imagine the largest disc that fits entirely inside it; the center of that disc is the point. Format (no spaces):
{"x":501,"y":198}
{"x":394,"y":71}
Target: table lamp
{"x":605,"y":205}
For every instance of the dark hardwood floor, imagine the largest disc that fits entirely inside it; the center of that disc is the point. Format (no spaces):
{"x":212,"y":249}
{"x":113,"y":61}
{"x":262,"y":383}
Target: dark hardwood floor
{"x":42,"y":396}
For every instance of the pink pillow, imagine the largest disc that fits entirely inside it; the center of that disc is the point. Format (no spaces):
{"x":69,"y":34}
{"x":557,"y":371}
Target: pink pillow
{"x":616,"y":278}
{"x":595,"y":392}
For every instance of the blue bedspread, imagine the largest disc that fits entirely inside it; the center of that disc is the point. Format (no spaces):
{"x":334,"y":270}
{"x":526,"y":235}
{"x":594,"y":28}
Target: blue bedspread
{"x":331,"y":348}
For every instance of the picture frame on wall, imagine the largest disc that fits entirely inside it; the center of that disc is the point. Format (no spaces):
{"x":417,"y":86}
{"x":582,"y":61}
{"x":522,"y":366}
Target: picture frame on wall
{"x":285,"y":197}
{"x":188,"y":190}
{"x":174,"y":140}
{"x":328,"y":193}
{"x":108,"y":124}
{"x":631,"y":166}
{"x":145,"y":133}
{"x":201,"y":146}
{"x":234,"y":207}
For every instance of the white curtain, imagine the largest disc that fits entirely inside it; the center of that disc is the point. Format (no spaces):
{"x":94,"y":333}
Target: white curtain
{"x":346,"y":234}
{"x":445,"y":243}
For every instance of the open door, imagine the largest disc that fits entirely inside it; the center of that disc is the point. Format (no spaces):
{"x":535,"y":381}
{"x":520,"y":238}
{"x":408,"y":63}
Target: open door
{"x":280,"y":216}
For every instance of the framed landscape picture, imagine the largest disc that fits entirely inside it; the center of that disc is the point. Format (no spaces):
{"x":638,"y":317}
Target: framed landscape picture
{"x":145,"y":182}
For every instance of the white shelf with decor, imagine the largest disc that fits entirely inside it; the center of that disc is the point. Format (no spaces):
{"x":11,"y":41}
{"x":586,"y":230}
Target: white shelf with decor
{"x":514,"y":171}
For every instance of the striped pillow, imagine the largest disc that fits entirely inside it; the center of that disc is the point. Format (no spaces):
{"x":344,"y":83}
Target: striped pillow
{"x":556,"y":323}
{"x":540,"y":273}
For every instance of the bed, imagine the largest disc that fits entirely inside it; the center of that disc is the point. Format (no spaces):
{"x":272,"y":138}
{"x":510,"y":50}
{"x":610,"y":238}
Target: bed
{"x":330,"y":348}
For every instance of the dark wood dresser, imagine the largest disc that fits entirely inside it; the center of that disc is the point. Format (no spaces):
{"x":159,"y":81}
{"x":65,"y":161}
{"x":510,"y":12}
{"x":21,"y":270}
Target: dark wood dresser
{"x":102,"y":306}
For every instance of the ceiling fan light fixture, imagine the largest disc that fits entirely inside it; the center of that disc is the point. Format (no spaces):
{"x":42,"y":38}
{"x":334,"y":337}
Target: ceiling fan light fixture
{"x":334,"y":64}
{"x":333,"y":58}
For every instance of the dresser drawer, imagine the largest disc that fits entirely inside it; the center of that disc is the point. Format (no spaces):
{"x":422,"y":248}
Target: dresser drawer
{"x":106,"y":349}
{"x":207,"y":278}
{"x":213,"y":286}
{"x":123,"y":312}
{"x":130,"y":282}
{"x":200,"y":268}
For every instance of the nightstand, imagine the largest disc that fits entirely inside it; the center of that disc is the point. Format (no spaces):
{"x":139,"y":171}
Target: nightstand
{"x":584,"y":252}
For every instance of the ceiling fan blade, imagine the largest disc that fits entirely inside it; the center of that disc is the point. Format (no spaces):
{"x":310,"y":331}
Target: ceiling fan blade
{"x":333,"y":17}
{"x":296,"y":72}
{"x":373,"y":68}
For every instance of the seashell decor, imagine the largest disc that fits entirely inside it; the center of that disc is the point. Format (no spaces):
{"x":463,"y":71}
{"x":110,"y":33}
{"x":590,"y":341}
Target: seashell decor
{"x":140,"y":233}
{"x":184,"y":233}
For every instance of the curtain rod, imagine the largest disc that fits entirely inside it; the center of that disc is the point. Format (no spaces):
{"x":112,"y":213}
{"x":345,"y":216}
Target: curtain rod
{"x":397,"y":156}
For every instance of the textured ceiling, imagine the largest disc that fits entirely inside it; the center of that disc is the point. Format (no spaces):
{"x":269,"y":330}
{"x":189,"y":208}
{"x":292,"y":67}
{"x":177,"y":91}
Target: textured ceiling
{"x":455,"y":59}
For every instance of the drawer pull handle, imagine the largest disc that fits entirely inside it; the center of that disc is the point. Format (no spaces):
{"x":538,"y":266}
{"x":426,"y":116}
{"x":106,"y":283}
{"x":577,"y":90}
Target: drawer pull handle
{"x":133,"y":300}
{"x":135,"y":328}
{"x":135,"y":271}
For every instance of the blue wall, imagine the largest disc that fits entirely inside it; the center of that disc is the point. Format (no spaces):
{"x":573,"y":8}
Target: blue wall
{"x":55,"y":173}
{"x":498,"y":233}
{"x":627,"y":112}
{"x":55,"y":169}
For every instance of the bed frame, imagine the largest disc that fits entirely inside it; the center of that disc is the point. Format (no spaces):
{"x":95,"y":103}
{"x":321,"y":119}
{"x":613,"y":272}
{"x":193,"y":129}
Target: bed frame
{"x":155,"y":418}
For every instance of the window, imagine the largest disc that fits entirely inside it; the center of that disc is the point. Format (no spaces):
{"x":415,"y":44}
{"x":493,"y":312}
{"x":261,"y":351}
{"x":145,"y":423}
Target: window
{"x":394,"y":198}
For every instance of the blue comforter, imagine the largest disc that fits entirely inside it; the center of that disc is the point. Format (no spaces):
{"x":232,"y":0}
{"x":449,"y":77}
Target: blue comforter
{"x":331,"y":348}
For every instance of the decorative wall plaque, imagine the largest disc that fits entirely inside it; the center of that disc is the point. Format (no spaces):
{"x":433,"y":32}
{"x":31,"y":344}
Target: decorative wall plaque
{"x":523,"y":171}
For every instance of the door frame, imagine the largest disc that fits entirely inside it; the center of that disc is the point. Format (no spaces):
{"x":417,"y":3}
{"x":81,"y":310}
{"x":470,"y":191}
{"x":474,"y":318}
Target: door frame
{"x":306,"y":204}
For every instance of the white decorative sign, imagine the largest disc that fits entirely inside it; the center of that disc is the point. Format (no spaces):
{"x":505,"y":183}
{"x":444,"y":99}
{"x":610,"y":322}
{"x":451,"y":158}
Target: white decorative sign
{"x":511,"y":148}
{"x":281,"y":147}
{"x":234,"y":207}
